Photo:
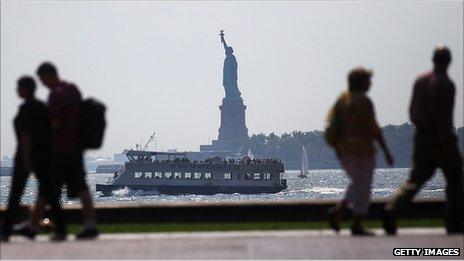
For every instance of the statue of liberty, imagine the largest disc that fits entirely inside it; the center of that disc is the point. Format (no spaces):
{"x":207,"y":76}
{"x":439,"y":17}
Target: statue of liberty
{"x":229,"y":80}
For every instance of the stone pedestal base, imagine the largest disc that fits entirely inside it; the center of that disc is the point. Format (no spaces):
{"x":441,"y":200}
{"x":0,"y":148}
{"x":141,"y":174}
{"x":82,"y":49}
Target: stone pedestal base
{"x":233,"y":133}
{"x":232,"y":120}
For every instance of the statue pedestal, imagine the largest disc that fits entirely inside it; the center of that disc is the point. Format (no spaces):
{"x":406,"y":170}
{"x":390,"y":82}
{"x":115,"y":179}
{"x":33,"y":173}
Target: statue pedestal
{"x":232,"y":120}
{"x":233,"y":132}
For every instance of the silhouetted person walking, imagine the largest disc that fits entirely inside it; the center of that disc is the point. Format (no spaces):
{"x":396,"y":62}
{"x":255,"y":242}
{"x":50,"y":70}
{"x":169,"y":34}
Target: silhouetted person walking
{"x":67,"y":152}
{"x":435,"y":144}
{"x":357,"y":129}
{"x":32,"y":127}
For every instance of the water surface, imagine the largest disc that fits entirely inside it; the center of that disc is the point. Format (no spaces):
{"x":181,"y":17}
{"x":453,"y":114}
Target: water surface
{"x":320,"y":184}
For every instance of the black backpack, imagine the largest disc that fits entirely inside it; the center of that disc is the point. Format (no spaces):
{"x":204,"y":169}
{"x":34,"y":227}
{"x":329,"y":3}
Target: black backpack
{"x":93,"y":123}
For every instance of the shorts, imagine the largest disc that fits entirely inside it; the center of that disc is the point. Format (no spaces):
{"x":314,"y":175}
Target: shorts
{"x":68,"y":169}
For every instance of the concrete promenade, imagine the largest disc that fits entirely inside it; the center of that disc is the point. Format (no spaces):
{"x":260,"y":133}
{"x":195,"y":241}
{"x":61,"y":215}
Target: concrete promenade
{"x":290,"y":244}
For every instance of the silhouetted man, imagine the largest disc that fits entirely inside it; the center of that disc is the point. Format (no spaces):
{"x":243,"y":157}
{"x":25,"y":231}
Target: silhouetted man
{"x":435,"y":144}
{"x":67,"y":159}
{"x":32,"y":127}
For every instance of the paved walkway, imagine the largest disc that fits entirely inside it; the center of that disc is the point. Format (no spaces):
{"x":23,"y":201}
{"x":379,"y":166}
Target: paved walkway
{"x":289,"y":244}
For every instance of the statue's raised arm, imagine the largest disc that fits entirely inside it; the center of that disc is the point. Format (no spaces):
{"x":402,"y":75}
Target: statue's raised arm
{"x":223,"y":41}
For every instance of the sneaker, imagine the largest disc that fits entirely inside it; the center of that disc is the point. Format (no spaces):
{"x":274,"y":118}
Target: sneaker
{"x":46,"y":226}
{"x":25,"y":230}
{"x":389,"y":222}
{"x":88,"y":233}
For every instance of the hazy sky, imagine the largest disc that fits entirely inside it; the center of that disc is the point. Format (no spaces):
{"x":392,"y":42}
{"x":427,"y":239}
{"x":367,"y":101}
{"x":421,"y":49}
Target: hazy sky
{"x":158,"y":65}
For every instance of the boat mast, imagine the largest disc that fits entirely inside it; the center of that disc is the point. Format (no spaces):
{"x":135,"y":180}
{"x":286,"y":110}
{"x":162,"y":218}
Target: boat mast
{"x":152,"y":137}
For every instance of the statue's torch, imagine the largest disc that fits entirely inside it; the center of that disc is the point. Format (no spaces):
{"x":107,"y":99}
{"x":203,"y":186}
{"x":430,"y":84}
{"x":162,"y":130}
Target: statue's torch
{"x":222,"y":36}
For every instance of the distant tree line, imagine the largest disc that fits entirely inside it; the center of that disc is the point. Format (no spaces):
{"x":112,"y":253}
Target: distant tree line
{"x":288,"y":147}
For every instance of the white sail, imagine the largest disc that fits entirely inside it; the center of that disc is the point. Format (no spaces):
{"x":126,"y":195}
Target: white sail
{"x":304,"y":162}
{"x":250,"y":154}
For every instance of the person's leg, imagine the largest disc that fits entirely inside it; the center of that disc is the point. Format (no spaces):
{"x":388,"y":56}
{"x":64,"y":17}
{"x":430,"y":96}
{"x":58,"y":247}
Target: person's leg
{"x":88,"y":209}
{"x":77,"y":186}
{"x":453,"y":170}
{"x":335,"y":213}
{"x":48,"y":193}
{"x":423,"y":167}
{"x":362,"y":177}
{"x":54,"y":183}
{"x":18,"y":184}
{"x":39,"y":211}
{"x":348,"y":163}
{"x":83,"y":192}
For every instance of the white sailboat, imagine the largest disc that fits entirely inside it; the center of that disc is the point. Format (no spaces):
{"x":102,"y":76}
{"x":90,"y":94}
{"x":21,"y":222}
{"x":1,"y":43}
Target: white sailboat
{"x":249,"y":154}
{"x":304,"y":164}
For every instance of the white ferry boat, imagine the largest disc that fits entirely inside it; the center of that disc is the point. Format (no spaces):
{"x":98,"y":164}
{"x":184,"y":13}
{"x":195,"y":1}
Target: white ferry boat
{"x":173,"y":173}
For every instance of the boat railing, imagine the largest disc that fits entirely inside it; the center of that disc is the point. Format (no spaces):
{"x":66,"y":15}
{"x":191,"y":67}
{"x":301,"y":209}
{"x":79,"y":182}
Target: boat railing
{"x":116,"y":174}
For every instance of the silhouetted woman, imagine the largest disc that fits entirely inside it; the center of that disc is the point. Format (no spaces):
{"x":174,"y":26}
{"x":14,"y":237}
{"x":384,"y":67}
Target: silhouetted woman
{"x":358,"y":129}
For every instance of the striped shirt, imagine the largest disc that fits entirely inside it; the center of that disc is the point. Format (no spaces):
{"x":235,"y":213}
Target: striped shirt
{"x":64,"y":102}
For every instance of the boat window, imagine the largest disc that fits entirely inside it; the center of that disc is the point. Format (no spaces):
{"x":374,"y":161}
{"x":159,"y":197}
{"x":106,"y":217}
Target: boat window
{"x":177,"y":175}
{"x":227,"y":176}
{"x":158,"y":175}
{"x":197,"y":175}
{"x":257,"y":176}
{"x":247,"y":176}
{"x":188,"y":175}
{"x":168,"y":175}
{"x":148,"y":175}
{"x":267,"y":175}
{"x":208,"y":175}
{"x":138,"y":175}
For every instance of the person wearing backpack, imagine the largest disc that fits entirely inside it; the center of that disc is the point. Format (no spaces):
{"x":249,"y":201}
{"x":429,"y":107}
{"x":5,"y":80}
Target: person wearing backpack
{"x":67,"y":151}
{"x":351,"y":131}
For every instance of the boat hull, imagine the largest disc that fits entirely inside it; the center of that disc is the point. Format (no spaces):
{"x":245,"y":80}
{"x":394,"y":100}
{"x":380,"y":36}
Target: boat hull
{"x":107,"y":189}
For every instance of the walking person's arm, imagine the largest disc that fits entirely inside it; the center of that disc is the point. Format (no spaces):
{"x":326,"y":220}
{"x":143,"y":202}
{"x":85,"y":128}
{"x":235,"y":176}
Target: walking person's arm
{"x":25,"y":119}
{"x":25,"y":141}
{"x":381,"y":140}
{"x":414,"y":110}
{"x":445,"y":112}
{"x":446,"y":136}
{"x":379,"y":136}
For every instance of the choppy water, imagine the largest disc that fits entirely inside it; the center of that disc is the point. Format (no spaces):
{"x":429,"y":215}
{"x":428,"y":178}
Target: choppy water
{"x":320,"y":184}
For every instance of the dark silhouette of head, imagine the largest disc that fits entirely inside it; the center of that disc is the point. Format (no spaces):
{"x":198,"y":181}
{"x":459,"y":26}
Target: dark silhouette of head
{"x":229,"y":50}
{"x":441,"y":57}
{"x":26,"y":87}
{"x":48,"y":74}
{"x":359,"y":79}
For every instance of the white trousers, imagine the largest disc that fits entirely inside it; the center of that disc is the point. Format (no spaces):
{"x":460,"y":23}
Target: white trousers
{"x":360,"y":171}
